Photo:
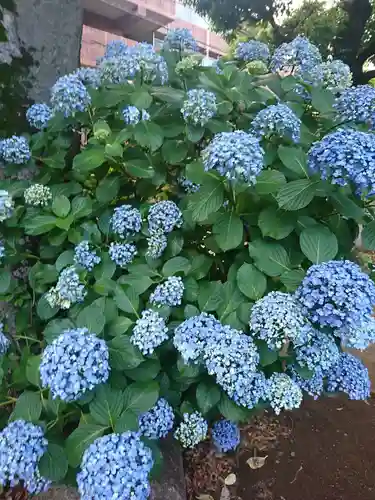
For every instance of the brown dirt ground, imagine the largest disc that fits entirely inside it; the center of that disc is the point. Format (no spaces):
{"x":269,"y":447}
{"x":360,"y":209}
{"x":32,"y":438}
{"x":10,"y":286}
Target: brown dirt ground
{"x":323,"y":451}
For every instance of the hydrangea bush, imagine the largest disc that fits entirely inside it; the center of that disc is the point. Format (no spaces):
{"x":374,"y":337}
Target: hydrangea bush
{"x":186,"y":243}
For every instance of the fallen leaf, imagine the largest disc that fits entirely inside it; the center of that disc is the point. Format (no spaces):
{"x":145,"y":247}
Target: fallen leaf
{"x":225,"y":494}
{"x":256,"y":462}
{"x":230,"y":480}
{"x":205,"y":497}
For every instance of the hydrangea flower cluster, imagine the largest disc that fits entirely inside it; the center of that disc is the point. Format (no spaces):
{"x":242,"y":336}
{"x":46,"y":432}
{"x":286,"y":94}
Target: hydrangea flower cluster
{"x":168,"y":293}
{"x":74,"y":363}
{"x":360,"y":336}
{"x":69,"y":96}
{"x":118,"y":69}
{"x":278,"y":120}
{"x":157,"y":422}
{"x":226,"y":435}
{"x":199,"y":107}
{"x":116,"y":48}
{"x":68,"y":290}
{"x":4,"y":341}
{"x":164,"y":216}
{"x":37,"y":195}
{"x":15,"y":150}
{"x":336,"y":294}
{"x":38,"y":115}
{"x":299,"y":55}
{"x":349,"y":375}
{"x":126,"y":221}
{"x":235,"y":155}
{"x":257,"y":68}
{"x":180,"y":39}
{"x":122,"y":253}
{"x":314,"y":386}
{"x":115,"y":466}
{"x":152,"y":65}
{"x":319,"y":354}
{"x":277,"y":319}
{"x":6,"y":205}
{"x":335,"y":75}
{"x":85,"y":257}
{"x":188,"y":64}
{"x":253,"y":50}
{"x":22,"y":445}
{"x":149,"y":332}
{"x":133,"y":115}
{"x":192,"y":430}
{"x":88,"y":76}
{"x":345,"y":156}
{"x":283,"y":393}
{"x":156,"y":244}
{"x":357,"y":105}
{"x":188,"y":186}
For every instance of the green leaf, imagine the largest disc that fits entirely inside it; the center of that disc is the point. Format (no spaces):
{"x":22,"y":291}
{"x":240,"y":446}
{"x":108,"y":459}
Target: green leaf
{"x":270,"y":258}
{"x":54,"y":463}
{"x":208,"y":396}
{"x":5,"y":280}
{"x":149,"y":135}
{"x":92,"y":317}
{"x":210,"y":296}
{"x":195,"y":172}
{"x":200,"y":266}
{"x":64,"y":259}
{"x":251,"y":282}
{"x":232,"y":298}
{"x":169,"y":95}
{"x":89,"y":159}
{"x":123,"y":354}
{"x":107,"y":189}
{"x":294,"y":159}
{"x":368,"y":236}
{"x":346,"y":206}
{"x":318,"y":243}
{"x":207,"y":200}
{"x":120,"y":325}
{"x":81,"y":207}
{"x":174,"y":152}
{"x":140,"y":168}
{"x":61,"y":206}
{"x":194,"y":134}
{"x":267,"y":357}
{"x":28,"y":407}
{"x":228,"y":230}
{"x":139,"y":397}
{"x":322,"y":100}
{"x":269,"y":182}
{"x":39,"y":224}
{"x":137,"y":282}
{"x":80,"y":439}
{"x":292,"y":279}
{"x":231,"y":411}
{"x":128,"y":421}
{"x":55,"y":328}
{"x":176,"y":265}
{"x":148,"y":370}
{"x":275,"y":223}
{"x":127,"y":301}
{"x":44,"y":310}
{"x":107,"y":405}
{"x":106,"y":269}
{"x":296,"y":194}
{"x":141,"y":99}
{"x":32,"y":370}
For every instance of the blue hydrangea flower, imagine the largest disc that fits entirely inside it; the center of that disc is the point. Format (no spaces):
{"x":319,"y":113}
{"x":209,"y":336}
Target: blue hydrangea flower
{"x":73,"y":364}
{"x":357,"y":105}
{"x":164,"y":216}
{"x":298,"y":55}
{"x":157,"y":422}
{"x":277,"y":319}
{"x":149,"y":332}
{"x":359,"y":336}
{"x":152,"y":65}
{"x":38,"y":115}
{"x":116,"y":48}
{"x":191,"y":336}
{"x":22,"y":445}
{"x":283,"y":393}
{"x":278,"y":120}
{"x":37,"y":195}
{"x":69,"y":96}
{"x":188,"y":186}
{"x":118,"y":69}
{"x":156,"y":244}
{"x":85,"y":257}
{"x":126,"y":221}
{"x":233,"y":358}
{"x":122,"y":253}
{"x":15,"y":150}
{"x":4,"y":341}
{"x":69,"y":286}
{"x":116,"y":466}
{"x":226,"y":435}
{"x":235,"y":155}
{"x":334,"y":75}
{"x":336,"y":294}
{"x":88,"y":76}
{"x":314,"y":386}
{"x":253,"y":50}
{"x":319,"y":354}
{"x":6,"y":205}
{"x":349,"y":375}
{"x":199,"y":107}
{"x":133,"y":115}
{"x":168,"y":293}
{"x":192,"y":430}
{"x":180,"y":39}
{"x":345,"y":156}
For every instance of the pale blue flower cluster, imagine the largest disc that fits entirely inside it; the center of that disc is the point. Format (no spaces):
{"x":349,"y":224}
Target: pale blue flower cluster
{"x":345,"y":156}
{"x":88,"y":76}
{"x":253,"y":50}
{"x":277,"y":319}
{"x":283,"y":393}
{"x":22,"y":445}
{"x":149,"y":332}
{"x":168,"y":293}
{"x":116,"y":466}
{"x":337,"y":294}
{"x":180,"y":39}
{"x":15,"y":150}
{"x":164,"y":216}
{"x":156,"y":244}
{"x":333,"y":75}
{"x":73,"y":364}
{"x":278,"y":120}
{"x":319,"y":354}
{"x":132,"y":115}
{"x":37,"y":195}
{"x":157,"y":422}
{"x":6,"y":205}
{"x":85,"y":257}
{"x":188,"y":186}
{"x":69,"y":96}
{"x":69,"y":286}
{"x":116,"y":48}
{"x":360,"y":336}
{"x":235,"y":155}
{"x":299,"y":55}
{"x":38,"y":115}
{"x":226,"y":435}
{"x":122,"y":253}
{"x":314,"y":386}
{"x":192,"y":430}
{"x":357,"y":104}
{"x":152,"y":65}
{"x":199,"y":107}
{"x":126,"y":221}
{"x":4,"y":341}
{"x":349,"y":375}
{"x":118,"y":69}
